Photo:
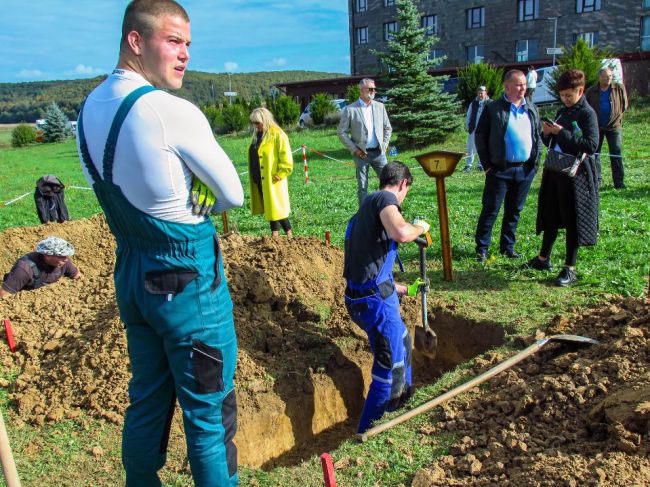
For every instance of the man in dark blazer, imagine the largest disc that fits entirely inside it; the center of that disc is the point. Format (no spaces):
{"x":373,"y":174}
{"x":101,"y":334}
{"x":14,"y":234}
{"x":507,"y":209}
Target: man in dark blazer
{"x":508,"y":143}
{"x":365,"y":130}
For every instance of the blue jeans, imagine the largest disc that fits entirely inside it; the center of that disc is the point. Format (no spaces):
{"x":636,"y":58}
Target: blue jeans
{"x":376,"y":159}
{"x":512,"y":186}
{"x":615,"y":143}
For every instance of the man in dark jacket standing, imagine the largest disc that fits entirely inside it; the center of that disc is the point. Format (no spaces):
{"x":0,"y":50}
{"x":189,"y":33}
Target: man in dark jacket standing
{"x":508,"y":143}
{"x":609,"y":100}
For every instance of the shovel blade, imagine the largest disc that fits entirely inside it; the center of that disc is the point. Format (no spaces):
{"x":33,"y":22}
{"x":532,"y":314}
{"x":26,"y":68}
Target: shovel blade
{"x":426,"y":341}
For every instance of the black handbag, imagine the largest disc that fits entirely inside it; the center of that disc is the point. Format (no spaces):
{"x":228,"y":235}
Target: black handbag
{"x":563,"y":163}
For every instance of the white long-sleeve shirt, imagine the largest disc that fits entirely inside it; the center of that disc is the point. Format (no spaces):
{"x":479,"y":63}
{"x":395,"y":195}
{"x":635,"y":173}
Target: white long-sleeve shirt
{"x":163,"y":142}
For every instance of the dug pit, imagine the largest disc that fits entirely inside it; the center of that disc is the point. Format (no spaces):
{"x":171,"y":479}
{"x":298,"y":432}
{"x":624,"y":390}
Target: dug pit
{"x":303,"y":367}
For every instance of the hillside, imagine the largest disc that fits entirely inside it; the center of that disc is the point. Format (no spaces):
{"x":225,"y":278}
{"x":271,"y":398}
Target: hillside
{"x":26,"y":102}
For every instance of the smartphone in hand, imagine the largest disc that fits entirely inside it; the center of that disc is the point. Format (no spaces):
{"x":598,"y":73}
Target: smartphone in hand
{"x":547,"y":120}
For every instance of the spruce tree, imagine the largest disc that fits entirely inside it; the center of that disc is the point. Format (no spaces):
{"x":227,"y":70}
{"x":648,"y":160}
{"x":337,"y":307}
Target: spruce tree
{"x":57,"y":125}
{"x":419,"y":111}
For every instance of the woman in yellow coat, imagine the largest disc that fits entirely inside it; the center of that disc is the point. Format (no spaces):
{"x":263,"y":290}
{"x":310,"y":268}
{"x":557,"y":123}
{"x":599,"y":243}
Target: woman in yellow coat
{"x":269,"y":164}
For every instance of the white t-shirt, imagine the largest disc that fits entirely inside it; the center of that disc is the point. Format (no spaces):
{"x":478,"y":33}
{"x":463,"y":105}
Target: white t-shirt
{"x":163,"y":142}
{"x":366,"y":109}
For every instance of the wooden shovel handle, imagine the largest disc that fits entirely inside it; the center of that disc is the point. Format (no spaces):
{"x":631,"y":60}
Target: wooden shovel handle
{"x":7,"y":458}
{"x":515,"y":359}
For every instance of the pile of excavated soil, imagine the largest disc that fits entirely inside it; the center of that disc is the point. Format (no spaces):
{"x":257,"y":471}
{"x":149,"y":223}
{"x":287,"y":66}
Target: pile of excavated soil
{"x":302,"y":365}
{"x":562,"y":417}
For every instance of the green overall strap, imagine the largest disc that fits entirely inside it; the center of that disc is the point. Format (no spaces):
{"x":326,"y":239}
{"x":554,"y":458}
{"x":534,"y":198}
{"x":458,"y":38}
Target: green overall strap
{"x":85,"y":155}
{"x":111,"y":141}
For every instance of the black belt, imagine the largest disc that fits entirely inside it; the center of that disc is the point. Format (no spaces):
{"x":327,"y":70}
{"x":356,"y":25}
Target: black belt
{"x":385,"y":289}
{"x":516,"y":163}
{"x":372,"y":148}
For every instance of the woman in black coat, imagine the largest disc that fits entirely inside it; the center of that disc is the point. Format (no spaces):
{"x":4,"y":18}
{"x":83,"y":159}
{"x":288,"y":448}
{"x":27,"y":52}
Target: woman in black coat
{"x":569,"y":202}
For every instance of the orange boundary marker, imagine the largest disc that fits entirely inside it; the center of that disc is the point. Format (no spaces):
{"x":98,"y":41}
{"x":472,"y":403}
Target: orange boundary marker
{"x":328,"y":470}
{"x":10,"y":335}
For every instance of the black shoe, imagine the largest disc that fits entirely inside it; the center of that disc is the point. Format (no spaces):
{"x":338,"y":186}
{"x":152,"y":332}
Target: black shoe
{"x":539,"y":264}
{"x":481,"y":257}
{"x":620,"y":186}
{"x":566,"y":278}
{"x":510,"y":254}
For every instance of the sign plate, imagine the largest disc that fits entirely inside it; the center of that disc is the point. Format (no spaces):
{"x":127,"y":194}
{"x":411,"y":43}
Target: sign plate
{"x":229,"y":93}
{"x":554,"y":50}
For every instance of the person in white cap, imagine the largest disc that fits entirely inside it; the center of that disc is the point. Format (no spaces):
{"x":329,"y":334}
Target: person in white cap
{"x":49,"y":263}
{"x":471,"y":121}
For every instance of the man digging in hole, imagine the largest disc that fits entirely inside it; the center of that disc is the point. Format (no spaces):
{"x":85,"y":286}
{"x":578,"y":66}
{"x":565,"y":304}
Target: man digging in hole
{"x":49,"y":263}
{"x":372,"y":295}
{"x":140,"y":149}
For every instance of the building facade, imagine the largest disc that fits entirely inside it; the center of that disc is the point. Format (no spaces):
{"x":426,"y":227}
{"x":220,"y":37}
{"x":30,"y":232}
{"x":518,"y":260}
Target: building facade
{"x":501,"y":31}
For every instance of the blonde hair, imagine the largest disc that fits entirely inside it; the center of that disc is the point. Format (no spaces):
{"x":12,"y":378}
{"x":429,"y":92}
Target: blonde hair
{"x":263,"y":116}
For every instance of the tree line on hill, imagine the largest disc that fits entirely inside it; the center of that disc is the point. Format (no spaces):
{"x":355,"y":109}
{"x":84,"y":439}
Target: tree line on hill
{"x":28,"y":102}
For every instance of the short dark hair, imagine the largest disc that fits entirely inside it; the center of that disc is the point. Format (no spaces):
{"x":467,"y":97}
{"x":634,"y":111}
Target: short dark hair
{"x":141,"y":15}
{"x":393,"y":173}
{"x":570,"y":80}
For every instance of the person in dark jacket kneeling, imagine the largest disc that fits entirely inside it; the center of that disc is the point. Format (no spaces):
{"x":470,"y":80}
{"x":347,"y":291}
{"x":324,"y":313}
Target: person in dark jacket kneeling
{"x":564,"y":201}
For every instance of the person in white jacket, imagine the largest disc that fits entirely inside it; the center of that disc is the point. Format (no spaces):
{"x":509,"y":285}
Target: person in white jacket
{"x":471,"y":121}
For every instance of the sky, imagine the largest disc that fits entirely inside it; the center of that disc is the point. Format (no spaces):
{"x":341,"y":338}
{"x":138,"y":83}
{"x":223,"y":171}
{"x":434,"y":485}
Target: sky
{"x":71,"y":39}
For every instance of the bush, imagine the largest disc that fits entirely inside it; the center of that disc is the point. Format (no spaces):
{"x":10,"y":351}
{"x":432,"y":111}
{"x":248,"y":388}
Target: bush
{"x":332,"y":119}
{"x":352,"y":93}
{"x":479,"y":74}
{"x":580,"y":56}
{"x":235,"y":118}
{"x":57,"y":125}
{"x":321,"y":105}
{"x":215,"y":117}
{"x":285,"y":110}
{"x":23,"y":135}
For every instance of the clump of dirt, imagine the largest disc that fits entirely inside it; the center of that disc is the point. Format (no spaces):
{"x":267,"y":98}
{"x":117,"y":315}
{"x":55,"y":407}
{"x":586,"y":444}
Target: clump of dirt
{"x":562,"y":417}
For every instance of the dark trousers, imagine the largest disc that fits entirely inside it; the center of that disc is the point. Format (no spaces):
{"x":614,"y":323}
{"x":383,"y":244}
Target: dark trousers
{"x":510,"y":188}
{"x":615,"y":143}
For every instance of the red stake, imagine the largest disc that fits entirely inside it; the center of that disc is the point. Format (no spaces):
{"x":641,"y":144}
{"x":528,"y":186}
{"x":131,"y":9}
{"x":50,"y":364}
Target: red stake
{"x":328,"y":470}
{"x":327,"y":237}
{"x":10,"y":336}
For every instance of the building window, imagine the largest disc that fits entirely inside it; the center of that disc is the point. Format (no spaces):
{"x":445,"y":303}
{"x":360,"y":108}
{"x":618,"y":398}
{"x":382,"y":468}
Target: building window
{"x":591,"y":38}
{"x":389,"y":29}
{"x":361,"y":34}
{"x":474,"y":54}
{"x":583,"y":6}
{"x":430,"y":24}
{"x":646,"y":3}
{"x":645,"y":33}
{"x":475,"y":17}
{"x":526,"y":50}
{"x":361,"y":5}
{"x":438,"y":55}
{"x":527,"y":10}
{"x":389,"y":3}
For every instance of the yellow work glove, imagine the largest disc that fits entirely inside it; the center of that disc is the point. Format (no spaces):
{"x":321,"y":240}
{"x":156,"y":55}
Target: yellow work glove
{"x":414,"y":287}
{"x":202,"y":198}
{"x":422,"y":224}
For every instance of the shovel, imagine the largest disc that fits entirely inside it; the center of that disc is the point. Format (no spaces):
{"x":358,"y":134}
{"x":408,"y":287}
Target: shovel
{"x":573,"y":340}
{"x":426,"y":341}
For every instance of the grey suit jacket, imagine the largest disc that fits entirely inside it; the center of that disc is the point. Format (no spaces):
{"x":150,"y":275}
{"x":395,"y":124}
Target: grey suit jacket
{"x":352,"y":129}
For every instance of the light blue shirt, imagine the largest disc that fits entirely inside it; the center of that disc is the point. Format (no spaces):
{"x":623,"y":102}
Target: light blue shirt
{"x":519,"y":134}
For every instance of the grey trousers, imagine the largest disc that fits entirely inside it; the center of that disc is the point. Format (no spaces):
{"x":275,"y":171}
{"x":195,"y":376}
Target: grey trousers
{"x":376,"y":159}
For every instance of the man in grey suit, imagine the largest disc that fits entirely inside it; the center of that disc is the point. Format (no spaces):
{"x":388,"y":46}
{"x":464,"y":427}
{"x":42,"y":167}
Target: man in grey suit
{"x":365,"y":130}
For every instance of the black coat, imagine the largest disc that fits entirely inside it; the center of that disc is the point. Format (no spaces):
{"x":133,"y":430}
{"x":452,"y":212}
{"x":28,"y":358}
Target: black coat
{"x":50,"y":200}
{"x":563,"y":200}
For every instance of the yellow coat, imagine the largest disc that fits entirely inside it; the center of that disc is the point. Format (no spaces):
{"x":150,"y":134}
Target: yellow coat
{"x":275,"y":159}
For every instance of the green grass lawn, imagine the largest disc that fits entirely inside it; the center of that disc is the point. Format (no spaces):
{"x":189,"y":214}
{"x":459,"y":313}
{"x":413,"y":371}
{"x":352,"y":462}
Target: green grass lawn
{"x":500,"y":291}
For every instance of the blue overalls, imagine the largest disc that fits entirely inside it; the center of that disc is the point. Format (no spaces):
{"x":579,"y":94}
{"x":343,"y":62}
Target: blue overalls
{"x":174,"y":301}
{"x":374,"y":306}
